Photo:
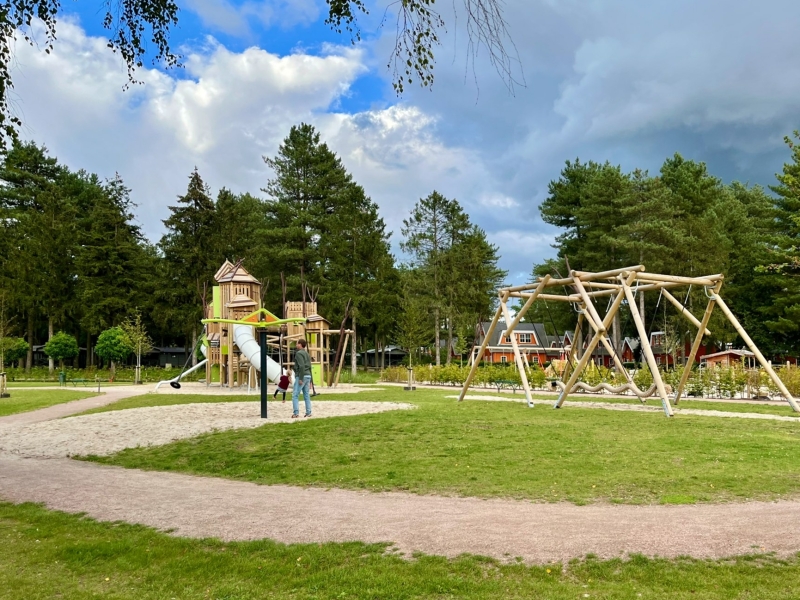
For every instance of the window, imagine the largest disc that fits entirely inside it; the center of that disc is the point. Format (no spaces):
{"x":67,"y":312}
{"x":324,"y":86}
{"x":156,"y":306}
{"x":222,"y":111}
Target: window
{"x":503,"y":358}
{"x":507,"y":339}
{"x":536,"y":359}
{"x":524,"y":338}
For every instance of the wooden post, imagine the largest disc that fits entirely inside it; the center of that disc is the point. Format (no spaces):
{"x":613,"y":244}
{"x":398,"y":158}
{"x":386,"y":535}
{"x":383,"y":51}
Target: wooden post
{"x":754,"y":349}
{"x":589,"y":307}
{"x":476,"y":362}
{"x":648,"y":351}
{"x":341,"y":362}
{"x":529,"y":302}
{"x":687,"y":368}
{"x":517,"y":356}
{"x":592,"y":345}
{"x":684,"y":311}
{"x":574,"y":349}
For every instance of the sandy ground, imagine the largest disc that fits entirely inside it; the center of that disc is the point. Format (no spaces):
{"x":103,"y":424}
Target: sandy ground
{"x":645,"y":408}
{"x":109,"y":432}
{"x":31,"y":470}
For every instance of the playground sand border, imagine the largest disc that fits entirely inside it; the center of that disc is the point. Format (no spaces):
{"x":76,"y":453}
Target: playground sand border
{"x":641,"y":408}
{"x":109,"y":432}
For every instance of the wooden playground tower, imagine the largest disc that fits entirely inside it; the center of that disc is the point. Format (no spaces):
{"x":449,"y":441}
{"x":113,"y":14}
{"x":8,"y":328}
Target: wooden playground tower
{"x":238,"y":297}
{"x":618,"y":284}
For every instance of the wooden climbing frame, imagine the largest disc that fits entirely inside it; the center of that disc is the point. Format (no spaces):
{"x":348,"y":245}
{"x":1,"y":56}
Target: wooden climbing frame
{"x":619,"y":284}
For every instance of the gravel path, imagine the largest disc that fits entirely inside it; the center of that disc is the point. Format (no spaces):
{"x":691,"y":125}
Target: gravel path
{"x":31,"y":470}
{"x":643,"y":408}
{"x":232,"y":510}
{"x":108,"y":432}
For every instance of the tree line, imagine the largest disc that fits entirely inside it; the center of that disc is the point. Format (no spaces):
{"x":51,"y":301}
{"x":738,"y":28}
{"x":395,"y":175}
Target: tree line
{"x":684,"y":221}
{"x":74,"y":261}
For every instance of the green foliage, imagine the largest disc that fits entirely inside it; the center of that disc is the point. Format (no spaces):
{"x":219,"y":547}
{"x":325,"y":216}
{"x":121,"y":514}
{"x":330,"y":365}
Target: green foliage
{"x":114,"y":345}
{"x":61,"y":346}
{"x":13,"y":349}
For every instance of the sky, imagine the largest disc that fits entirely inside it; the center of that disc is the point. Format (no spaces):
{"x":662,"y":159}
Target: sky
{"x":624,"y":81}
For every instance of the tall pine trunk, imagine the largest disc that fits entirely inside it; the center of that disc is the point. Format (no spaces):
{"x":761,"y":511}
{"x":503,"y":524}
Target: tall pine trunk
{"x":449,"y":339}
{"x":50,"y":362}
{"x":353,"y":362}
{"x":436,"y":325}
{"x":383,"y":354}
{"x":29,"y":357}
{"x":89,"y":357}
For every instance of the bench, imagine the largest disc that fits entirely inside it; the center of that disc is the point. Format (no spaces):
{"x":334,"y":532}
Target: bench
{"x":75,"y":382}
{"x":507,"y":383}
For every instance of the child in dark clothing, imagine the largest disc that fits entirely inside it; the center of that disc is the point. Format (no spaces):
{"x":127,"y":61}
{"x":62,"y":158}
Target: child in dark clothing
{"x":283,"y":384}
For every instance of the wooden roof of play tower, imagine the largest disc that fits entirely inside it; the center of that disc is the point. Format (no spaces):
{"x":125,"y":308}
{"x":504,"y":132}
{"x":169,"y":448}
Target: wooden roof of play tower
{"x":228,"y":273}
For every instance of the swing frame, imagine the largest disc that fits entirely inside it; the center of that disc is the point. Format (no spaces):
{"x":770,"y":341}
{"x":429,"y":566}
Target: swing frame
{"x":620,"y":284}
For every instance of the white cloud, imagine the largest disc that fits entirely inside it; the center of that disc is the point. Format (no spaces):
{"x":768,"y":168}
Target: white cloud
{"x":231,"y":110}
{"x":224,"y":16}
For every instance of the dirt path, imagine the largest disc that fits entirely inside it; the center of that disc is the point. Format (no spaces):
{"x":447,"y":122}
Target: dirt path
{"x":231,"y":510}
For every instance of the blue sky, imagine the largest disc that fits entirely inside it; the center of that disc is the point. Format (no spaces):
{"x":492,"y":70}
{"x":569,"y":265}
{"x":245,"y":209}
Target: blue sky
{"x":616,"y":80}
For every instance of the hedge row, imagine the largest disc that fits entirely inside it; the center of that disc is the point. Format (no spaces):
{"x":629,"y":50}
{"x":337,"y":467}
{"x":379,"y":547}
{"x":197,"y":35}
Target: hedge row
{"x":122,"y":374}
{"x":721,"y":382}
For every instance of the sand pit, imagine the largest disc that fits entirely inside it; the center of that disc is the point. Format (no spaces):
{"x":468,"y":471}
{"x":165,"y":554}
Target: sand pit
{"x":109,"y":432}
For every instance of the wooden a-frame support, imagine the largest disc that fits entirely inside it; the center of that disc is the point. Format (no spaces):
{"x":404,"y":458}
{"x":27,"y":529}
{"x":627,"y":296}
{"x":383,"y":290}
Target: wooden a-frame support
{"x":619,"y":284}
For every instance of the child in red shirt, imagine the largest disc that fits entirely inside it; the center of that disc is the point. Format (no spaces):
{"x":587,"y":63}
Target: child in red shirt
{"x":283,"y":384}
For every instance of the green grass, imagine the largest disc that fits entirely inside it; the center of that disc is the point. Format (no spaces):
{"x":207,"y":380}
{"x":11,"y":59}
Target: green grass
{"x":501,"y":449}
{"x":739,"y":407}
{"x":54,"y":384}
{"x":26,"y":400}
{"x":49,"y":554}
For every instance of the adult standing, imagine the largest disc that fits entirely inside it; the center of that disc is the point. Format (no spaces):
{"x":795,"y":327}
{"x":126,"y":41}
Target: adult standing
{"x":302,"y":379}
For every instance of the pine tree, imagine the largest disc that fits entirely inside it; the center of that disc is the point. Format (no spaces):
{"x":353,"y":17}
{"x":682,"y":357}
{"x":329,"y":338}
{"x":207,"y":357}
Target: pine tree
{"x":189,"y":262}
{"x":309,"y":182}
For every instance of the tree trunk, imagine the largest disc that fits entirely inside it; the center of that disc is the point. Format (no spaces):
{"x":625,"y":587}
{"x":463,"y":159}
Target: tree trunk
{"x":194,"y":344}
{"x":89,"y":357}
{"x":449,"y":339}
{"x":29,"y":358}
{"x":376,"y":349}
{"x":353,"y":363}
{"x":112,"y":370}
{"x":50,"y":362}
{"x":383,"y":354}
{"x":436,"y":325}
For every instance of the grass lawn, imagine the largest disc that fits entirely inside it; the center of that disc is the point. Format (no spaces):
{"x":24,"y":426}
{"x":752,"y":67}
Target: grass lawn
{"x":50,"y":554}
{"x":54,"y":384}
{"x":502,"y":449}
{"x":25,"y":400}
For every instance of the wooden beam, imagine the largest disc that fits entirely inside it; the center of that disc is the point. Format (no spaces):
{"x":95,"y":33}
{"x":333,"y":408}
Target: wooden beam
{"x":592,"y":345}
{"x":612,"y":274}
{"x":476,"y":362}
{"x":648,"y":351}
{"x":684,"y":311}
{"x":588,"y":305}
{"x":754,"y":349}
{"x":534,"y":284}
{"x":528,"y":302}
{"x":707,"y":280}
{"x":555,"y":297}
{"x":517,"y":356}
{"x":573,"y":347}
{"x":687,"y":368}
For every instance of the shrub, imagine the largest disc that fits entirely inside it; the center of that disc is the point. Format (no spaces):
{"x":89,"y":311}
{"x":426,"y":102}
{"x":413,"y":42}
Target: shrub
{"x":113,"y":345}
{"x":61,"y":346}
